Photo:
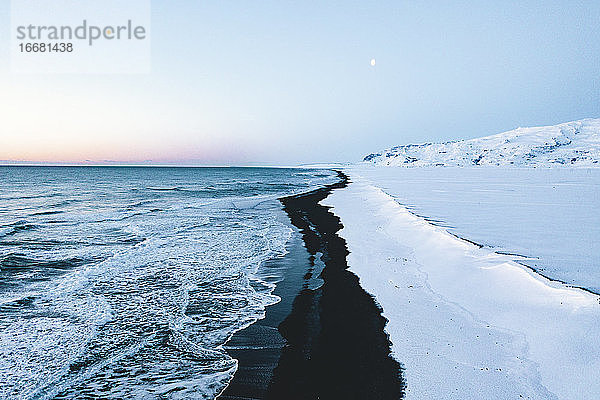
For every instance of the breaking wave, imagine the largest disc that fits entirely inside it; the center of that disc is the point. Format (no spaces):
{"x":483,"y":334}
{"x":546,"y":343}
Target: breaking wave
{"x":132,"y":293}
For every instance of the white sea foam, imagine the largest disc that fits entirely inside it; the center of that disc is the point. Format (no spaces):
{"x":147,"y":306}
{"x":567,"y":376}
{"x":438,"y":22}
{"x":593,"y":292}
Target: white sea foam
{"x":133,"y":292}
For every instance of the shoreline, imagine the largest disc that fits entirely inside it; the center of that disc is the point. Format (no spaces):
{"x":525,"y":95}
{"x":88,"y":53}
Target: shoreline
{"x":326,"y":337}
{"x":258,"y":346}
{"x":467,"y":322}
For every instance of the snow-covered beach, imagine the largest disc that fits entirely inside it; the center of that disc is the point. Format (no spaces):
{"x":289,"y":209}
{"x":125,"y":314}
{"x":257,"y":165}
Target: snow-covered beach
{"x":474,"y":280}
{"x":470,"y":320}
{"x":547,"y":218}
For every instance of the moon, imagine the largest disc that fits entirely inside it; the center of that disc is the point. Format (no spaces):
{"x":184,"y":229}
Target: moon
{"x":372,"y":62}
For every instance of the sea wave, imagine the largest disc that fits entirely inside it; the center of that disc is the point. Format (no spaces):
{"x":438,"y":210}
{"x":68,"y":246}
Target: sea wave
{"x":130,"y":278}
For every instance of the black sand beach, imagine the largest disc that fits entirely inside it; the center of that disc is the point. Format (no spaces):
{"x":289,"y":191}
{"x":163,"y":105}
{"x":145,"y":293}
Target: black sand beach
{"x":329,"y":343}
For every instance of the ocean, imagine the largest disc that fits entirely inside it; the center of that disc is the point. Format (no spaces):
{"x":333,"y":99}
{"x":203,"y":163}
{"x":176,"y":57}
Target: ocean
{"x":125,"y":282}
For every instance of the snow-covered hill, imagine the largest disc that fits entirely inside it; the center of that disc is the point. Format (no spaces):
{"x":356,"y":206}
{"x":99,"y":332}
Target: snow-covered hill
{"x":574,"y":143}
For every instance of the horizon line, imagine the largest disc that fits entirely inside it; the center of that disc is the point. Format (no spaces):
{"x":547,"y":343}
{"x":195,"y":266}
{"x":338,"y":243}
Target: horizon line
{"x":43,"y":164}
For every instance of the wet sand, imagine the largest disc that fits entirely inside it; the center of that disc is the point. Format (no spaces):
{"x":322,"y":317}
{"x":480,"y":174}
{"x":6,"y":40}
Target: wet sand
{"x":329,"y":342}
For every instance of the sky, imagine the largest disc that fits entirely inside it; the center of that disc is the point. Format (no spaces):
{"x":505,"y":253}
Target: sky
{"x":285,"y":83}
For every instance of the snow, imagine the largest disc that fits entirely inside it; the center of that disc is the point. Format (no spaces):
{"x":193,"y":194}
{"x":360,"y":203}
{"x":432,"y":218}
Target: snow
{"x":549,"y":215}
{"x":574,"y":143}
{"x":467,"y":322}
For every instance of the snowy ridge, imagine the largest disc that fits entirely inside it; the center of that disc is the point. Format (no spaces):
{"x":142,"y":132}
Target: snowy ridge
{"x":574,"y":143}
